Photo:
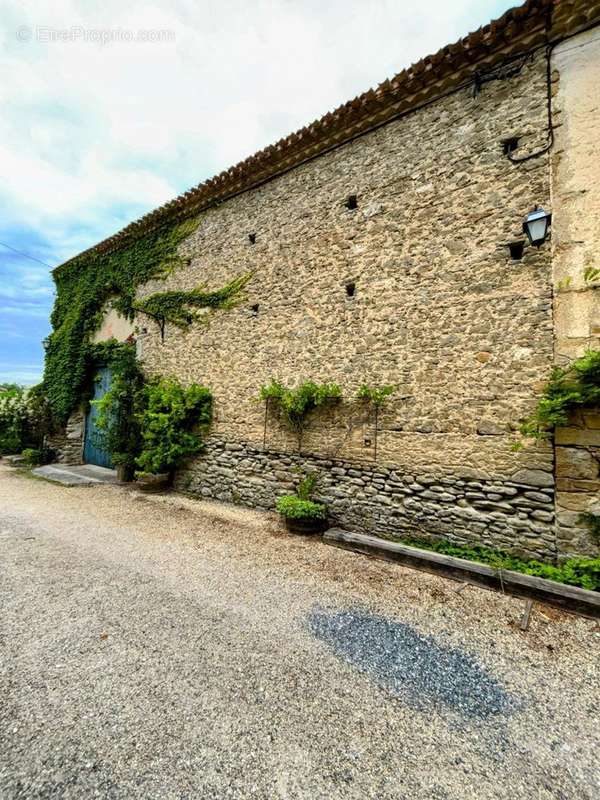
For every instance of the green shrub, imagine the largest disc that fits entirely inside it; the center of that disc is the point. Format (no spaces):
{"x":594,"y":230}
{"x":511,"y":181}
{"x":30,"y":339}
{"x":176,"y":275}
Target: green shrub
{"x":294,"y":507}
{"x":171,"y":421}
{"x":295,"y":404}
{"x":299,"y":505}
{"x":33,"y":457}
{"x":13,"y":419}
{"x":24,"y":418}
{"x":569,"y":388}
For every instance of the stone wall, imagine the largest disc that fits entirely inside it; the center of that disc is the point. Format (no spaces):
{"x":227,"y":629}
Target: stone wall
{"x":576,"y":248}
{"x":68,"y":443}
{"x":439,"y":309}
{"x":576,"y":194}
{"x":577,"y":483}
{"x":517,"y":515}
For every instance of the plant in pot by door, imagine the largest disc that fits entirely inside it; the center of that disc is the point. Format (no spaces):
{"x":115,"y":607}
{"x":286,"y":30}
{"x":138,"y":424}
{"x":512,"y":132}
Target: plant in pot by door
{"x":172,"y":421}
{"x":301,"y":514}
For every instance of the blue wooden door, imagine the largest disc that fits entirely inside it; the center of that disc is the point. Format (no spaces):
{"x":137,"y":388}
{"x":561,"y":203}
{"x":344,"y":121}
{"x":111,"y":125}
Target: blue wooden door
{"x":95,"y":446}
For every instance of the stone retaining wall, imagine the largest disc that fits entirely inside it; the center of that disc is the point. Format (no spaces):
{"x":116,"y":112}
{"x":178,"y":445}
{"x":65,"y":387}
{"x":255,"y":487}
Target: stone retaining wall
{"x":516,"y":514}
{"x":68,"y":443}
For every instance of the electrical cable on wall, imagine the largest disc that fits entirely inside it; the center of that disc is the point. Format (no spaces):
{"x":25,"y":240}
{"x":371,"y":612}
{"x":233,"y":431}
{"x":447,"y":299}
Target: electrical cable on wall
{"x":550,"y":129}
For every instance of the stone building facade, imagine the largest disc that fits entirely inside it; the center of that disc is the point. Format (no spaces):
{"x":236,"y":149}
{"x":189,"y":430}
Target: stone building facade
{"x":415,"y":286}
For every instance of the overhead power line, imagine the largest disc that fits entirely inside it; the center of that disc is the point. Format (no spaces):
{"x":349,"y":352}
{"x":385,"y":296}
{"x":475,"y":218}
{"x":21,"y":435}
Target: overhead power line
{"x":26,"y":255}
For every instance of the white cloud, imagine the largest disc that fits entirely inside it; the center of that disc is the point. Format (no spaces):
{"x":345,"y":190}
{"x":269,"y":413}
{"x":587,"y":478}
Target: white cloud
{"x":91,"y":135}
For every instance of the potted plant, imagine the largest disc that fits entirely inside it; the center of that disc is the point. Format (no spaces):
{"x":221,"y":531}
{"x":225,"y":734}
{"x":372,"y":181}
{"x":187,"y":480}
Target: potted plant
{"x":152,"y":481}
{"x":301,"y":514}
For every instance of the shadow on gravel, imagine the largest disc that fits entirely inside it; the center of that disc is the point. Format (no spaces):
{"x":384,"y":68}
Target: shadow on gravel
{"x":413,"y":667}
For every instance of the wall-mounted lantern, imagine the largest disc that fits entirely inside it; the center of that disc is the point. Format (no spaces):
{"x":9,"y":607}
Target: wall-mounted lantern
{"x":536,"y":226}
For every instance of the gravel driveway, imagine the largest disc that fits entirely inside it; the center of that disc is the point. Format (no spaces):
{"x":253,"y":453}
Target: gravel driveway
{"x":166,"y":648}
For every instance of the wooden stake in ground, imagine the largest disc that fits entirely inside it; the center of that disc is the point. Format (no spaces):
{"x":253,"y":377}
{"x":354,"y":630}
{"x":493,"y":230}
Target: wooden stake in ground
{"x":524,"y":624}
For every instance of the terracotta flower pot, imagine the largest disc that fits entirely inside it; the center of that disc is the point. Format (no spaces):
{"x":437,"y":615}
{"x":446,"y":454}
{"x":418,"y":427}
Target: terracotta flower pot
{"x":153,"y":483}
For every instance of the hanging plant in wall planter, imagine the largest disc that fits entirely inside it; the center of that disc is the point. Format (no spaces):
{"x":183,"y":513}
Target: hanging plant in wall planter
{"x":294,"y":405}
{"x":301,"y":514}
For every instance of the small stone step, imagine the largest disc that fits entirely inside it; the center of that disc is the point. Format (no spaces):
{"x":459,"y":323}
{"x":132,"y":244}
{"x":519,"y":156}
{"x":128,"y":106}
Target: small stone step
{"x":15,"y":461}
{"x":84,"y":475}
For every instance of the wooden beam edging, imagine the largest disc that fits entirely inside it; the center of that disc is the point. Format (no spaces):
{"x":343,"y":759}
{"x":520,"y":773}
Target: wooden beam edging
{"x":569,"y":598}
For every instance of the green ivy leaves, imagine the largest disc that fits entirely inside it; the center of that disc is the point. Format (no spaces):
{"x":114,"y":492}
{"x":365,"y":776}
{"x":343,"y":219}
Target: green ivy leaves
{"x":295,"y":404}
{"x":178,"y":307}
{"x":576,"y":386}
{"x":84,"y":286}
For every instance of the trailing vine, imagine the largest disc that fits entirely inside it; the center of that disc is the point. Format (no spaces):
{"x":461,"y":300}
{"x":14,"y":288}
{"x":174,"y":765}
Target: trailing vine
{"x":84,"y":286}
{"x":119,"y":409}
{"x":178,"y":307}
{"x":568,"y":389}
{"x":376,"y":395}
{"x":295,"y":404}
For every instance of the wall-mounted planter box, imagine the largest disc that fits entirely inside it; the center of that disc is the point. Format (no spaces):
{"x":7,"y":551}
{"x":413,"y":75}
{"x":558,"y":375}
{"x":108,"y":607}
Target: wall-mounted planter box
{"x":570,"y":598}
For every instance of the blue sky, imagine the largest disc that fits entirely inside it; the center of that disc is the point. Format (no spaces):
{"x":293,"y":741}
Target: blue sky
{"x":92,"y":134}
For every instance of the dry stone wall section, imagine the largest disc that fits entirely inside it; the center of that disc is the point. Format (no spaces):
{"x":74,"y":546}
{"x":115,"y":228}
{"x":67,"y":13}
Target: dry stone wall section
{"x":517,"y":515}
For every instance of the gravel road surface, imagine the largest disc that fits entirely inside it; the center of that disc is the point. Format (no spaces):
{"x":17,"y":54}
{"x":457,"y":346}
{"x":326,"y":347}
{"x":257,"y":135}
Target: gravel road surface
{"x":165,"y":648}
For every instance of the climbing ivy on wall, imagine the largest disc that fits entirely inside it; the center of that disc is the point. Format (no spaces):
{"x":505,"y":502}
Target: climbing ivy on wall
{"x":118,"y":410}
{"x":178,"y":307}
{"x":83,"y":288}
{"x":569,"y":388}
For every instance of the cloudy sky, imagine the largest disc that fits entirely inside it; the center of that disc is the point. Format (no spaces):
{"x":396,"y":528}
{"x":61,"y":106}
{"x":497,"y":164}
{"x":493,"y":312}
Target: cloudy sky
{"x":111,"y":108}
